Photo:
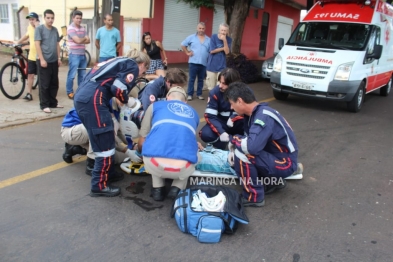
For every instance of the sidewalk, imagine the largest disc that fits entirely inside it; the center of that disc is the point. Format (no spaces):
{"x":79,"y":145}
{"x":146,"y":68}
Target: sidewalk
{"x":19,"y":111}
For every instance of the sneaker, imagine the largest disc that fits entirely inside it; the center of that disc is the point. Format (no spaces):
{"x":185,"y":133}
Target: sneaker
{"x":271,"y":188}
{"x":201,"y":98}
{"x":28,"y":97}
{"x":189,"y":98}
{"x":71,"y":95}
{"x":298,"y":174}
{"x":247,"y":203}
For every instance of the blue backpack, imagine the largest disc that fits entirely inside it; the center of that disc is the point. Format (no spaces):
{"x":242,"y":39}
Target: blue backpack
{"x":208,"y":226}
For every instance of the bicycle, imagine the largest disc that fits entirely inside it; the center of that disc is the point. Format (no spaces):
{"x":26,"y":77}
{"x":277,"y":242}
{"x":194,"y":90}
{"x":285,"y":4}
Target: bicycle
{"x":15,"y":72}
{"x":64,"y":51}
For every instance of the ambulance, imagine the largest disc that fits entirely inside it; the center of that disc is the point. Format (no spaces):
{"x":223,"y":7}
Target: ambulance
{"x":341,"y":51}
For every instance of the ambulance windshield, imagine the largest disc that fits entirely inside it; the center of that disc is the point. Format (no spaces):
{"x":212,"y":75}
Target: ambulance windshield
{"x":333,"y":35}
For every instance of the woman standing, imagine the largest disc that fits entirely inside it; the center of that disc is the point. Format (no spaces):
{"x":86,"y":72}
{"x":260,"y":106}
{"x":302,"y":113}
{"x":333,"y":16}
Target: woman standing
{"x":154,"y":48}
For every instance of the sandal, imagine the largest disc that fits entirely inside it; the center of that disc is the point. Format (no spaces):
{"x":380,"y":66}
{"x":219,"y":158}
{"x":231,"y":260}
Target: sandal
{"x":59,"y":106}
{"x":47,"y":110}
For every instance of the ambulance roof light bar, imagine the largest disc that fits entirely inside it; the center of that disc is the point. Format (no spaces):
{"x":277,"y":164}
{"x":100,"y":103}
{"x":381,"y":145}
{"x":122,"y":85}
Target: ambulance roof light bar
{"x":365,"y":2}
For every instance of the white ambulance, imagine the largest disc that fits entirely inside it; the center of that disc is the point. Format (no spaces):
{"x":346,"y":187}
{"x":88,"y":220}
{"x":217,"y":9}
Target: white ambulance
{"x":341,"y":51}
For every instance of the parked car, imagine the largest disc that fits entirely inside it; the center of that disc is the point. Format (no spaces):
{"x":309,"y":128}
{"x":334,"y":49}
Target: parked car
{"x":267,"y":67}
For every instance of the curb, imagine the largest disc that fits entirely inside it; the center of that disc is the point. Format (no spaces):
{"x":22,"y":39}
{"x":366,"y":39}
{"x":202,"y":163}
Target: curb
{"x":28,"y":121}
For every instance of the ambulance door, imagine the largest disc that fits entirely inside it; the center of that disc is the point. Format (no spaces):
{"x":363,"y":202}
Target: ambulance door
{"x":373,"y":64}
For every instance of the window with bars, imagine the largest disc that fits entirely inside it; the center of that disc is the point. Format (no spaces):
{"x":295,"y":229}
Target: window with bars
{"x":4,"y":19}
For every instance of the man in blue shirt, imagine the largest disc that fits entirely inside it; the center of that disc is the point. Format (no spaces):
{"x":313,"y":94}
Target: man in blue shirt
{"x":108,"y":40}
{"x":220,"y":46}
{"x":197,"y":48}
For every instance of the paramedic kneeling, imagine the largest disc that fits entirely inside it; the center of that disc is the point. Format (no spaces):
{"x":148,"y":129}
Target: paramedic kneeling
{"x":168,"y":142}
{"x":269,"y":150}
{"x":113,"y":78}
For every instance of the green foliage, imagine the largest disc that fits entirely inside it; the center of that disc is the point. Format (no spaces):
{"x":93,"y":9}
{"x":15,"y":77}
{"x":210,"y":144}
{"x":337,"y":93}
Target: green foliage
{"x":199,"y":3}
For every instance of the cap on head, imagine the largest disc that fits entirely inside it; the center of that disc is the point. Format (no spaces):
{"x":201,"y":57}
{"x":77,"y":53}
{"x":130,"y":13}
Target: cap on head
{"x":32,"y":15}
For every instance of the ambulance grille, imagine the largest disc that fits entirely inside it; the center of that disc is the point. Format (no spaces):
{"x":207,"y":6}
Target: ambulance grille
{"x":308,"y":76}
{"x":307,"y":65}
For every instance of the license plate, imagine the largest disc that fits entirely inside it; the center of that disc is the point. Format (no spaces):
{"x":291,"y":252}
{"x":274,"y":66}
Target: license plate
{"x":305,"y":86}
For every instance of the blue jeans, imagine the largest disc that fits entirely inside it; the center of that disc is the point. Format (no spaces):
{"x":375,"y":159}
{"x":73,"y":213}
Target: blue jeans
{"x":196,"y":70}
{"x":75,"y":62}
{"x":103,"y":59}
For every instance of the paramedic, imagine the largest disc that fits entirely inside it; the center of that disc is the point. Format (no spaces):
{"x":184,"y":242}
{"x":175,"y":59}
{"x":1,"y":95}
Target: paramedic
{"x":175,"y":156}
{"x":112,"y":78}
{"x":157,"y":90}
{"x":221,"y":120}
{"x":268,"y":150}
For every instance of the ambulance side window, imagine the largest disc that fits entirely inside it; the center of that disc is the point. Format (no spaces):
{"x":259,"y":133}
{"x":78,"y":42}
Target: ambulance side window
{"x":375,"y":39}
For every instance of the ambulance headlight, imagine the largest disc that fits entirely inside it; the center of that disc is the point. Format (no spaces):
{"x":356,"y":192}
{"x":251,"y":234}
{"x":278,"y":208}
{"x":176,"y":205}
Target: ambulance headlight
{"x":277,"y":63}
{"x":343,"y":72}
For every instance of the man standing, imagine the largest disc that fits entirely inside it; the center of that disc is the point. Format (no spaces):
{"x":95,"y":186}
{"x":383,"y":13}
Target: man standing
{"x":221,"y":120}
{"x":77,"y":39}
{"x":46,"y":38}
{"x":220,"y":46}
{"x":166,"y":155}
{"x":267,"y":150}
{"x":32,"y":66}
{"x":196,"y":47}
{"x":108,"y":39}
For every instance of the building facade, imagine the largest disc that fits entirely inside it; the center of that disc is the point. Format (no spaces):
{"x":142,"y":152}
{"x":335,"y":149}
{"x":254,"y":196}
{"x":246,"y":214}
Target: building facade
{"x":267,"y":21}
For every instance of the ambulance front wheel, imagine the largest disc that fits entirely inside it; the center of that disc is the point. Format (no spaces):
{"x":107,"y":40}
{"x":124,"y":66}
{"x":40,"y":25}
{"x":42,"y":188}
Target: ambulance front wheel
{"x":384,"y":91}
{"x":280,"y":95}
{"x":356,"y":103}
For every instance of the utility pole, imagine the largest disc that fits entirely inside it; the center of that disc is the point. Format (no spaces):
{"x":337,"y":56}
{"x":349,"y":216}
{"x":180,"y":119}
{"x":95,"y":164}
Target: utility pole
{"x":112,"y":7}
{"x":310,"y":3}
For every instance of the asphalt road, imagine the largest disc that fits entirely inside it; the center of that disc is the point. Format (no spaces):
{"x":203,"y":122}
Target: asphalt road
{"x":341,"y":211}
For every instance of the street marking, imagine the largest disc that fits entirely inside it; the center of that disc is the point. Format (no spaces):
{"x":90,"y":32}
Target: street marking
{"x":39,"y":172}
{"x":265,"y":100}
{"x":48,"y":169}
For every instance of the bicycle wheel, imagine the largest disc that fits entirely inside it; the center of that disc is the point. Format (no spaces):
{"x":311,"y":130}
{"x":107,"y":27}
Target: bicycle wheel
{"x":88,"y":58}
{"x":35,"y":82}
{"x":12,"y":81}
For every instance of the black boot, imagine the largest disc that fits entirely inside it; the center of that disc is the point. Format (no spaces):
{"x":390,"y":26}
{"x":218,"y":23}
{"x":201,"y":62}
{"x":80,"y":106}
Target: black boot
{"x":89,"y":166}
{"x":78,"y":150}
{"x":70,"y":151}
{"x":67,"y":155}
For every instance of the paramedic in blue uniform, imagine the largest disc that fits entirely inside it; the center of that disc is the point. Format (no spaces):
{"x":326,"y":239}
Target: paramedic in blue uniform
{"x":76,"y":139}
{"x":269,"y":148}
{"x":157,"y":90}
{"x":175,"y":156}
{"x":112,"y":78}
{"x":221,"y":120}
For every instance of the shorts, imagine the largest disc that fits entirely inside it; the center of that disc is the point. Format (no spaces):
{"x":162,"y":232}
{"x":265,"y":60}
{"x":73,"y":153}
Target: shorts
{"x":32,"y":67}
{"x":154,"y":65}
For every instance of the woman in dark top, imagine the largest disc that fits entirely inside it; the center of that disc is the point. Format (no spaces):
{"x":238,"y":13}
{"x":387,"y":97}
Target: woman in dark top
{"x":154,"y":49}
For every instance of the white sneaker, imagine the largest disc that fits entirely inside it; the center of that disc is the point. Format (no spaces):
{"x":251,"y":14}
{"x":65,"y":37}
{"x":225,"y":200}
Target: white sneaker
{"x":298,"y":174}
{"x":201,"y":98}
{"x":189,"y":98}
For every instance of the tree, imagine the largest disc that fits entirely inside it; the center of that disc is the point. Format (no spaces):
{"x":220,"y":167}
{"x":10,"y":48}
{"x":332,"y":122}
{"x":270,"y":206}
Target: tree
{"x":236,"y":12}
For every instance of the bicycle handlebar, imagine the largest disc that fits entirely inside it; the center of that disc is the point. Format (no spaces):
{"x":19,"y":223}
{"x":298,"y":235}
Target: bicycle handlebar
{"x":12,"y":45}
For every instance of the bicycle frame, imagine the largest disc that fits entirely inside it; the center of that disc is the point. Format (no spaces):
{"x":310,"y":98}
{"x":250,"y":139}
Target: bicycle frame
{"x":21,"y":60}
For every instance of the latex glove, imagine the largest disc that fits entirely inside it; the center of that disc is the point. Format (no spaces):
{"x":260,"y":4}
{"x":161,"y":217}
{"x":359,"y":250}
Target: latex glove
{"x":116,"y":125}
{"x":134,"y":104}
{"x":231,"y":158}
{"x":133,"y":156}
{"x":231,"y":147}
{"x":230,"y":122}
{"x":224,"y":137}
{"x":131,"y":102}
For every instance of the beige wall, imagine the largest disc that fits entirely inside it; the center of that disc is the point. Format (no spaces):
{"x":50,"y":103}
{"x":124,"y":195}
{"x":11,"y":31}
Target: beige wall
{"x":62,"y":8}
